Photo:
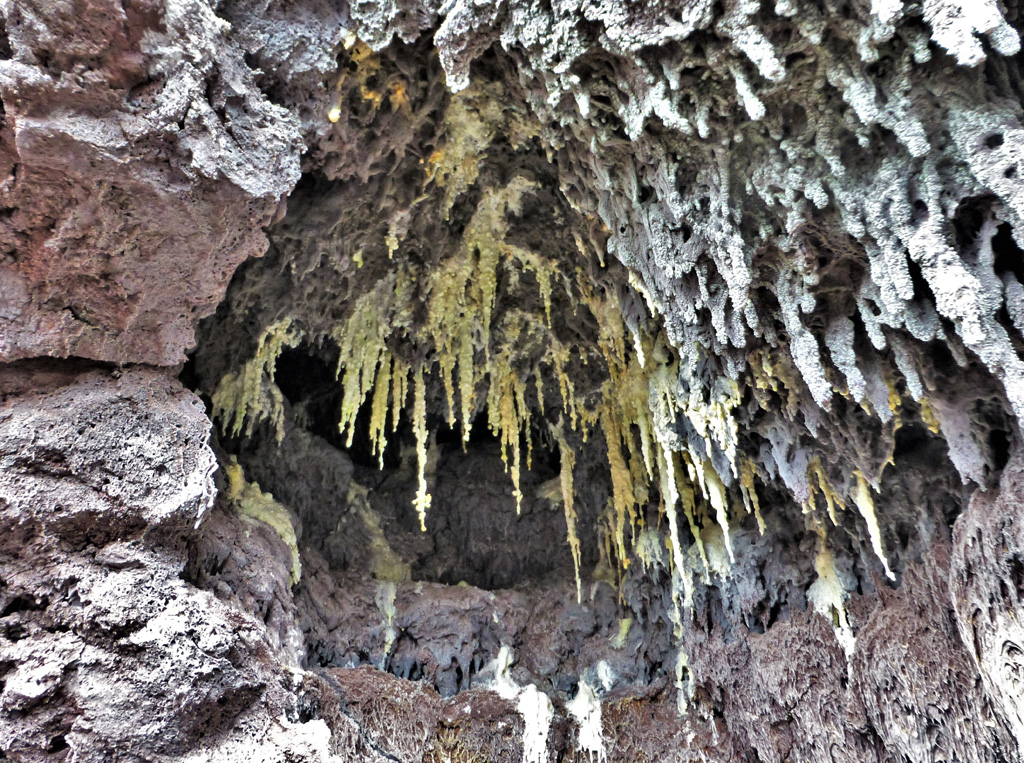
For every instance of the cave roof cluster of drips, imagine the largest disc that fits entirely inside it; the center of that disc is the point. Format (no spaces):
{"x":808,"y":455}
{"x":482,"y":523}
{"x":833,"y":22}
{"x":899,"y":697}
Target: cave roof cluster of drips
{"x":821,"y":227}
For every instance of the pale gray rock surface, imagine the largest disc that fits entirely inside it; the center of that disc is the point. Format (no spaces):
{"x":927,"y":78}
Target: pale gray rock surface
{"x":105,"y":652}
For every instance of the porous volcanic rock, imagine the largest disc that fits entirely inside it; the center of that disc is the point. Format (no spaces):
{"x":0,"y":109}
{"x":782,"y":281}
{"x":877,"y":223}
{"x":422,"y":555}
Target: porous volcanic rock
{"x":600,"y":380}
{"x":139,"y":162}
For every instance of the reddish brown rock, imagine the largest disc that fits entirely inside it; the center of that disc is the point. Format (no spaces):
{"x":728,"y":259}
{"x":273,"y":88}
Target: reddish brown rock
{"x":139,"y":161}
{"x":987,"y":591}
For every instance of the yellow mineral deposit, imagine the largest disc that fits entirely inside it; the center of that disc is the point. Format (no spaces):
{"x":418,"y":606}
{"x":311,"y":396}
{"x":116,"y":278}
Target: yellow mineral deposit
{"x":866,"y":504}
{"x":477,"y":361}
{"x":568,"y":463}
{"x":245,"y":398}
{"x":827,"y":595}
{"x":252,"y":502}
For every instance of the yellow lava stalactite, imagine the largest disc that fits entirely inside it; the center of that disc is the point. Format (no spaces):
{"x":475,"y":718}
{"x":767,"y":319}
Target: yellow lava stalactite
{"x":379,"y":407}
{"x":504,"y":418}
{"x":479,"y":353}
{"x":419,"y":425}
{"x":241,"y":398}
{"x":670,"y":496}
{"x":568,"y":463}
{"x":866,"y":506}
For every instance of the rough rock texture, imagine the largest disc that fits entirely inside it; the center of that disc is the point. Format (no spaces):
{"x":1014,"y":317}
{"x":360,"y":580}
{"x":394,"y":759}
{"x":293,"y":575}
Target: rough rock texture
{"x":105,"y":652}
{"x":628,"y":381}
{"x":105,"y":477}
{"x":986,"y":585}
{"x":139,"y":161}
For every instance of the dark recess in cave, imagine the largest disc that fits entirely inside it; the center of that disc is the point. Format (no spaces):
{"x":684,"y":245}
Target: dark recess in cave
{"x":473,"y":533}
{"x":1008,"y":256}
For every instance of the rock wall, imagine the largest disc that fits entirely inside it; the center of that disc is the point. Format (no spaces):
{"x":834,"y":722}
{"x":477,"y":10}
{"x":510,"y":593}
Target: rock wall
{"x":565,"y":381}
{"x":140,"y":160}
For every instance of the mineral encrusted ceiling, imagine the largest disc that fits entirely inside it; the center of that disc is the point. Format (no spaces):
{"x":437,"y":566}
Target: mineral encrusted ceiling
{"x":644,"y":378}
